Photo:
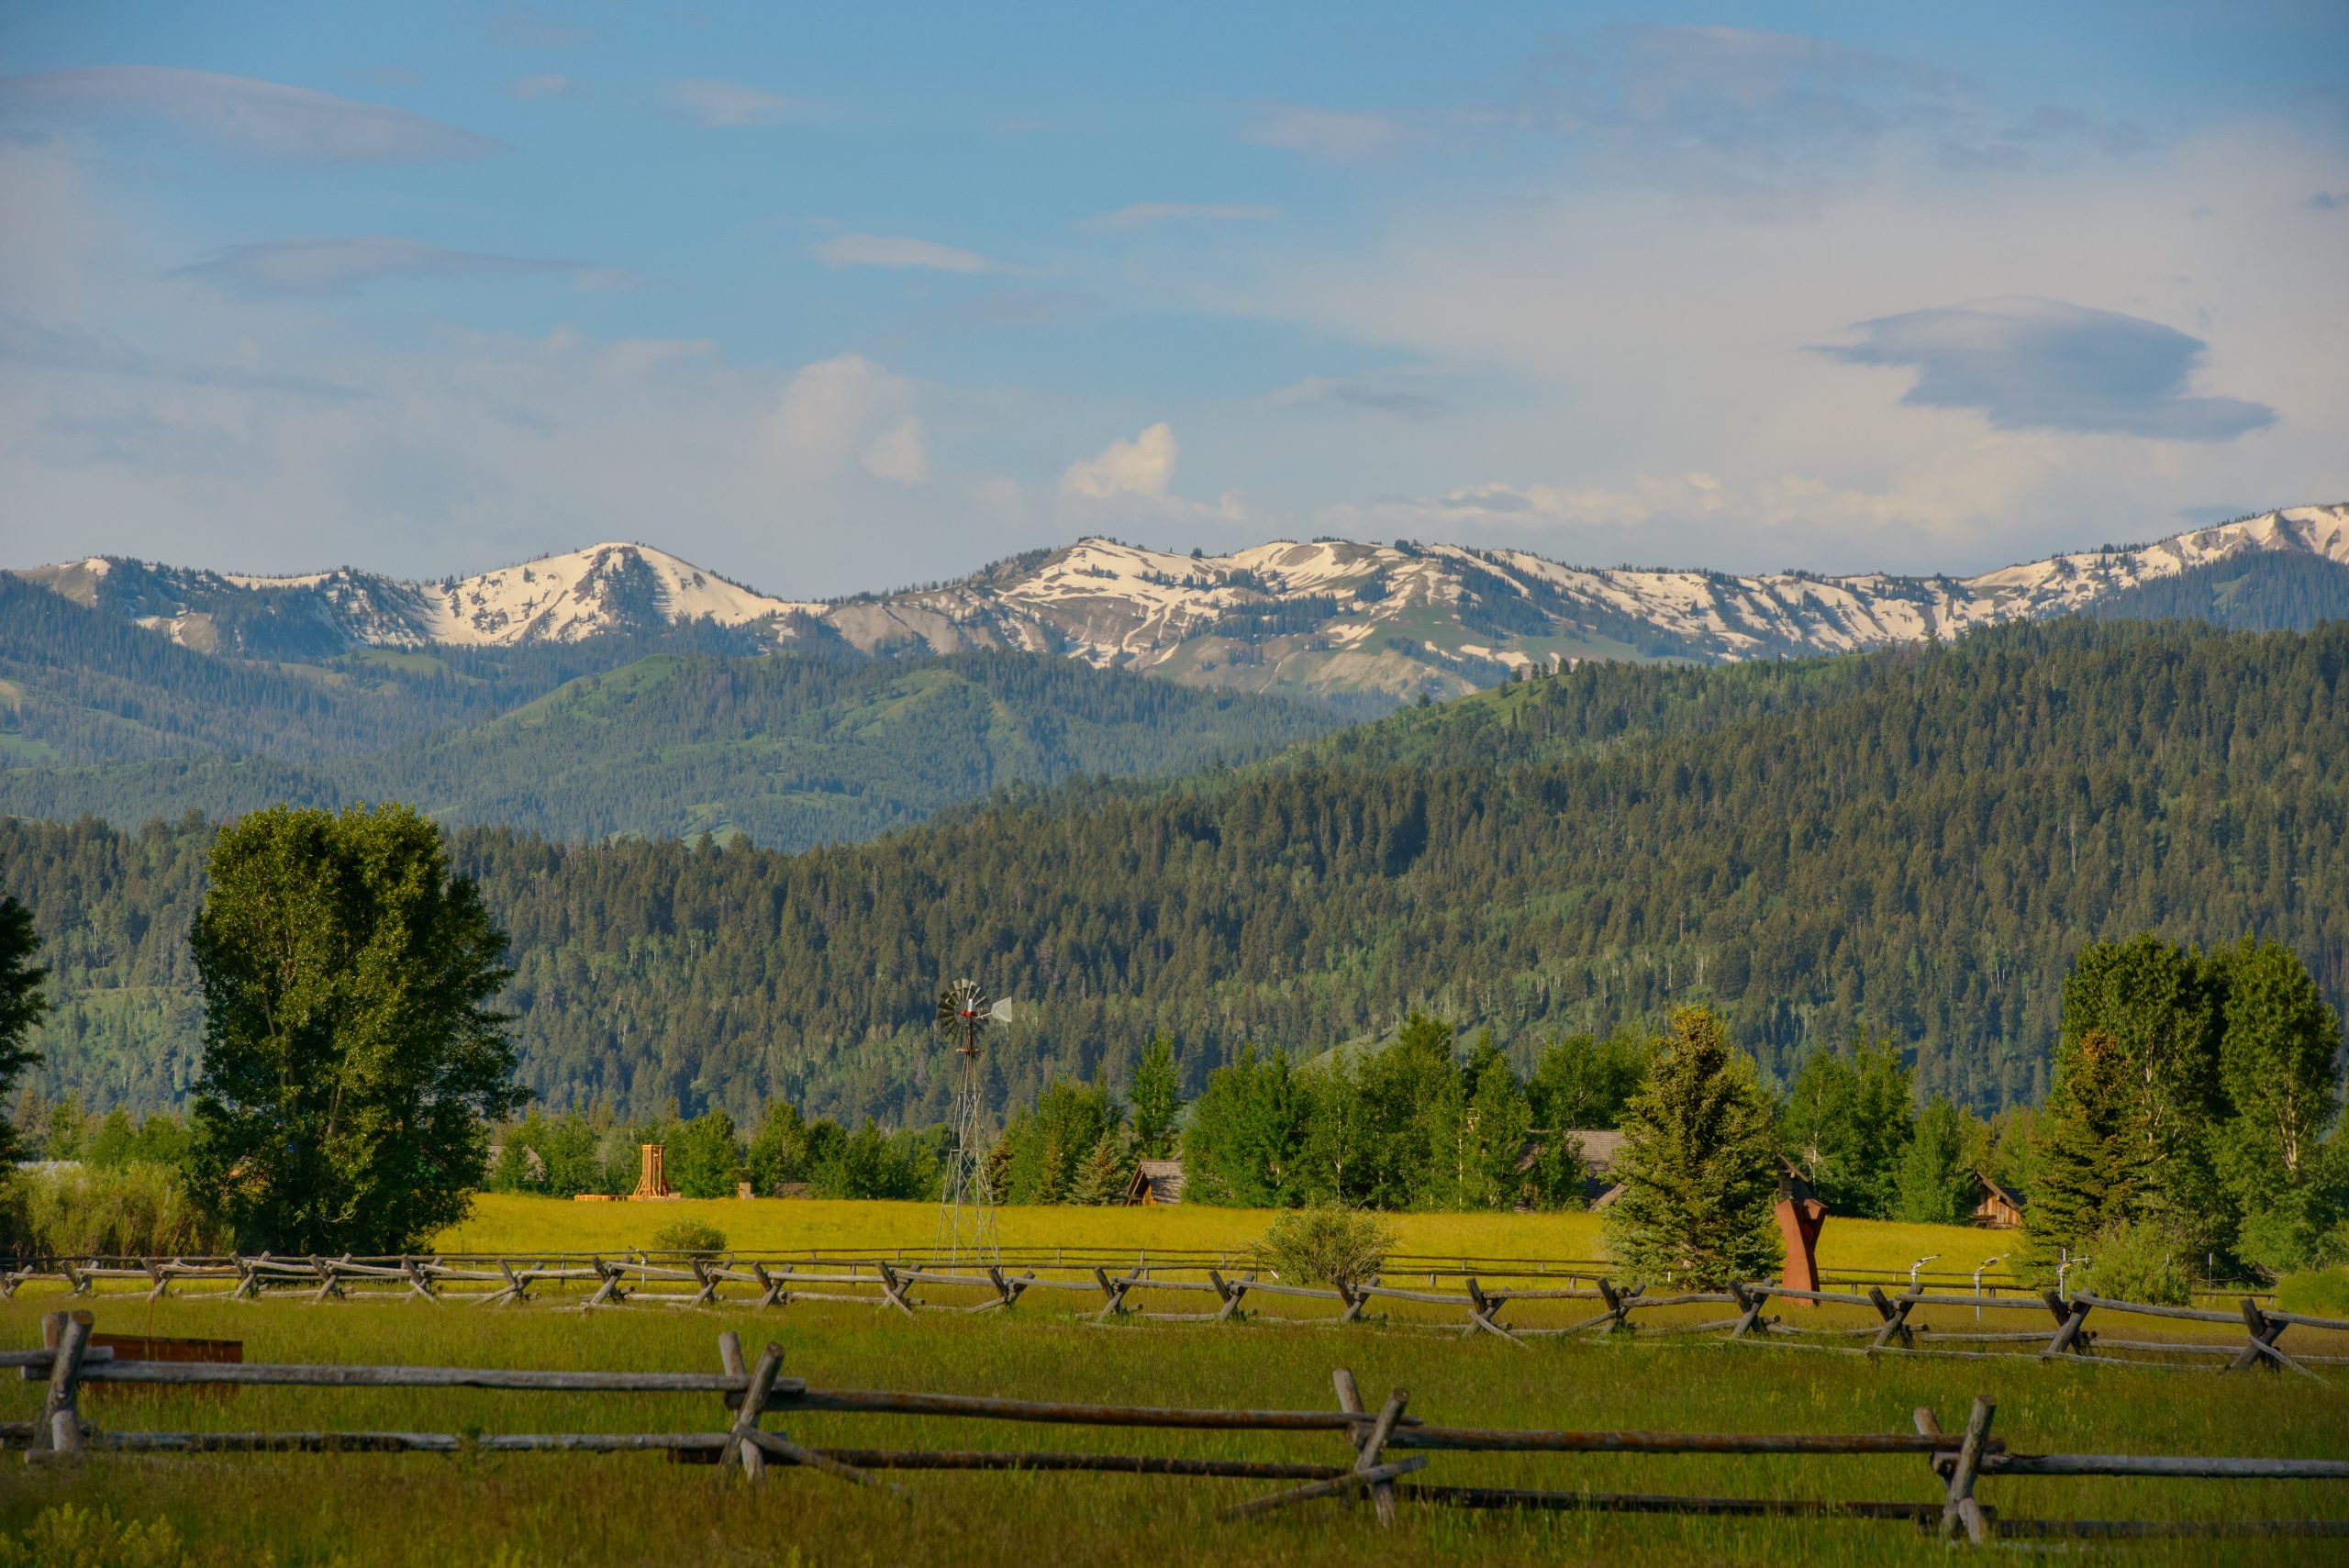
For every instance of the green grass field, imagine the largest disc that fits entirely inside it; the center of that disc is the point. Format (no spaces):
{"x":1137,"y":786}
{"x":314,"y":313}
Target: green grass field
{"x":505,"y":1223}
{"x":553,"y":1509}
{"x":550,"y":1510}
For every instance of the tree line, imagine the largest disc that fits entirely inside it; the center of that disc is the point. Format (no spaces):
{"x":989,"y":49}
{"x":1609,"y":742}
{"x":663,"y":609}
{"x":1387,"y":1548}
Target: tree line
{"x":1911,"y":845}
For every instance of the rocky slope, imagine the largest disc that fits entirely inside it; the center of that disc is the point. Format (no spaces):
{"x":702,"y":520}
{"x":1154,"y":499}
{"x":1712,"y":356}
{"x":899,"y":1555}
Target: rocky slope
{"x":1325,"y":617}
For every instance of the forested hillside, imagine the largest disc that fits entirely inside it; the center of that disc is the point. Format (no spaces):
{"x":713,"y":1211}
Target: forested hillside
{"x":794,"y":748}
{"x":1911,"y":843}
{"x":2264,"y":592}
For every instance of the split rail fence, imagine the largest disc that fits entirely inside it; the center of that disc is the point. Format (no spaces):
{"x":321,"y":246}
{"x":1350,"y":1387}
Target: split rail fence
{"x":1894,"y":1321}
{"x":1383,"y":1445}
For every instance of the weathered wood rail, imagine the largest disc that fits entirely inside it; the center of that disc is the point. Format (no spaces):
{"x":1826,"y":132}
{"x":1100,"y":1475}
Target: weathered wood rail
{"x":1156,"y":1291}
{"x":1383,"y":1446}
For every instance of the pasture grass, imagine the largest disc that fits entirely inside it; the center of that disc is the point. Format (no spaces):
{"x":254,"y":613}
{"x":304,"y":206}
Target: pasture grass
{"x":503,"y":1222}
{"x":517,"y":1511}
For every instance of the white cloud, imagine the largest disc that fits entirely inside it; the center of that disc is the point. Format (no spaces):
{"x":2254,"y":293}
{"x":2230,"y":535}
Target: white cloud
{"x":263,"y":120}
{"x":899,"y":454}
{"x":546,"y":85}
{"x":723,"y":103}
{"x":1339,"y":135}
{"x":1151,"y":215}
{"x":895,"y":250}
{"x":1143,"y":466}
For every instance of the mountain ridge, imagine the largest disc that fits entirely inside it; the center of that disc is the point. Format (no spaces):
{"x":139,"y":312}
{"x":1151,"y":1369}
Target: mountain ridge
{"x":1325,"y":617}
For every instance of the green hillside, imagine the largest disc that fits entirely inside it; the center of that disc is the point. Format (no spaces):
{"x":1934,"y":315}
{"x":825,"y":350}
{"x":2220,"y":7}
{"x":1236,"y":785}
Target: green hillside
{"x":2254,"y":591}
{"x":1911,"y":842}
{"x":794,"y":748}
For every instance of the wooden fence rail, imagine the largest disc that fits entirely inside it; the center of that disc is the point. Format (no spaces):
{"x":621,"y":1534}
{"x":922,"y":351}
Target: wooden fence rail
{"x":1384,"y":1446}
{"x":646,"y":1279}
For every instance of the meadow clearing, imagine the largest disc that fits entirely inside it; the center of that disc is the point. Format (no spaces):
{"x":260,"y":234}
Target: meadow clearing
{"x":504,"y":1222}
{"x":515,"y":1510}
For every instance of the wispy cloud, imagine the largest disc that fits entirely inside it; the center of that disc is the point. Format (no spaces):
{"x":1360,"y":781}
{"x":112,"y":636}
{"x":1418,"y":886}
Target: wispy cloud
{"x":1360,"y":391}
{"x":1339,"y":135}
{"x":546,"y":85}
{"x":727,"y":103}
{"x":897,"y":250}
{"x":267,"y":121}
{"x":1150,"y":215}
{"x":2041,"y":364}
{"x":339,"y":264}
{"x":526,"y":27}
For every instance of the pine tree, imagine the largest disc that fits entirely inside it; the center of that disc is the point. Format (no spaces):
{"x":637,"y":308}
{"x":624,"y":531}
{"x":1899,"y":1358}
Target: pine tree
{"x":1156,"y":1095}
{"x":1699,"y":1167}
{"x":2094,"y":1160}
{"x":1102,"y":1176}
{"x":21,"y":1005}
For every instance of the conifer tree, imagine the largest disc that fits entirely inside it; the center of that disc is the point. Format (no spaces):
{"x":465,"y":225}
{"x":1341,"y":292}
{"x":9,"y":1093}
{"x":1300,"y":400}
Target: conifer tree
{"x":21,"y":1004}
{"x":1156,"y":1097}
{"x":1102,"y":1174}
{"x":1934,"y":1184}
{"x":2094,"y":1155}
{"x":1699,"y":1167}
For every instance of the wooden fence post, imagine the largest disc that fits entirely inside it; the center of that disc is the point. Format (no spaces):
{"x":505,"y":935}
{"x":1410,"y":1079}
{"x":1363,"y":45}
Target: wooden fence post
{"x":2068,"y":1322}
{"x":1896,"y":1319}
{"x":1961,"y":1508}
{"x":1368,"y":1457}
{"x":60,"y":1429}
{"x":2265,"y":1332}
{"x":893,"y":1292}
{"x":1753,"y":1301}
{"x":752,"y":1458}
{"x":609,"y":1291}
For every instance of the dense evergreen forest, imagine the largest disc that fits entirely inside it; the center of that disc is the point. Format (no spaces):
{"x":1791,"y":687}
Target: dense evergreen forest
{"x":1911,"y":843}
{"x":793,"y":748}
{"x":2257,"y":591}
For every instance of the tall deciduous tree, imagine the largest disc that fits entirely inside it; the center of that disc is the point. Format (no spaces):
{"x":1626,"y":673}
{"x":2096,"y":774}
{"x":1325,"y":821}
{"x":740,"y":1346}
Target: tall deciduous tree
{"x":1847,"y":1120}
{"x":1699,"y":1167}
{"x":1934,"y":1184}
{"x":21,"y":1005}
{"x":2279,"y":1070}
{"x":352,"y":1057}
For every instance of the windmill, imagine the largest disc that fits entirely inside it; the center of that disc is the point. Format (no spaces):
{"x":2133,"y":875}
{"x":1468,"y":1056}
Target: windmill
{"x":965,"y":1206}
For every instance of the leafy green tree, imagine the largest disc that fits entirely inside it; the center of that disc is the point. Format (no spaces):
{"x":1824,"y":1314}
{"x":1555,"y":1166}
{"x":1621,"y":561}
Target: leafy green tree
{"x":703,"y":1159}
{"x":1334,"y":1152}
{"x":1156,"y":1097}
{"x":1699,"y":1167}
{"x":352,"y":1058}
{"x":1935,"y":1183}
{"x":21,"y":1005}
{"x":1244,"y":1144}
{"x":2279,"y":1066}
{"x":1050,"y":1140}
{"x":1582,"y":1084}
{"x":778,"y":1150}
{"x":1846,"y":1121}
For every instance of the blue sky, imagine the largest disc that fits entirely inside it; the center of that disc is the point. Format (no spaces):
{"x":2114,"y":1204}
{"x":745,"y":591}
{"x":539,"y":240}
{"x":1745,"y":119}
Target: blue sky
{"x":842,"y":297}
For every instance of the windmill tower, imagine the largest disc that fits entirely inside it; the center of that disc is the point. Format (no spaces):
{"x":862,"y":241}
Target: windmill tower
{"x":965,"y":1206}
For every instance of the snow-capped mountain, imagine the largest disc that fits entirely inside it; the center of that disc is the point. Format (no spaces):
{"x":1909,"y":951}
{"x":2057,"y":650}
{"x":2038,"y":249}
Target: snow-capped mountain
{"x":1328,"y":616}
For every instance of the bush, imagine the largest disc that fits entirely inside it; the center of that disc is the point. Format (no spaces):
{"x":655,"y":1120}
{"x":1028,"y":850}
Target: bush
{"x":2320,"y":1292}
{"x":1339,"y":1247}
{"x":698,"y":1238}
{"x":68,"y":1537}
{"x":2134,"y":1262}
{"x":136,"y":1210}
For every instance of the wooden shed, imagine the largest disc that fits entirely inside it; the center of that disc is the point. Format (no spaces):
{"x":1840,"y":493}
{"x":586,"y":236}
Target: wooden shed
{"x":1997,"y":1208}
{"x":1156,"y":1181}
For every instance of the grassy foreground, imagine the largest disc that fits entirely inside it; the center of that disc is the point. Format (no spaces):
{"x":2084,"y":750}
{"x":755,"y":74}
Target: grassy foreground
{"x":504,"y":1222}
{"x":512,"y":1510}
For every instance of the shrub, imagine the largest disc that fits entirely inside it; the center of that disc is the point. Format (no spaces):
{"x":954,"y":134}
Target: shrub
{"x":68,"y":1537}
{"x":698,"y":1237}
{"x":2135,"y":1261}
{"x":2320,"y":1292}
{"x":136,"y":1210}
{"x":1339,"y":1247}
